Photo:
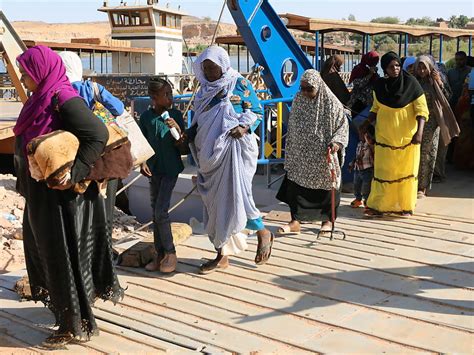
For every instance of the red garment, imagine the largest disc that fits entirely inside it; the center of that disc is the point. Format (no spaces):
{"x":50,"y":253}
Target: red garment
{"x":370,"y":59}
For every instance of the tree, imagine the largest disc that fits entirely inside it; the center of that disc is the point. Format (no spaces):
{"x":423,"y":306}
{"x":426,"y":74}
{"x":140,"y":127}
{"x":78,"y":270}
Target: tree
{"x":424,"y":21}
{"x":351,"y":17}
{"x":391,"y":20}
{"x":458,"y":21}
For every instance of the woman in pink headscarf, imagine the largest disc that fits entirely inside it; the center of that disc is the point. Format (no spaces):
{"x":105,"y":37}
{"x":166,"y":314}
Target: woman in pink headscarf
{"x":363,"y":77}
{"x":66,"y":235}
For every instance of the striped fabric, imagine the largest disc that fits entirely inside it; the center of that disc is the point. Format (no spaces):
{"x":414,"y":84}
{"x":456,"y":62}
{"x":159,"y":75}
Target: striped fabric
{"x":226,"y":165}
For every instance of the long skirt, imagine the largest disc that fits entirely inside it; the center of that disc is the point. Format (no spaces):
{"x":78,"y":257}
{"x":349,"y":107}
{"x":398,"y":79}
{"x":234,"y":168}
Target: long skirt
{"x":305,"y":204}
{"x":67,"y":242}
{"x":429,"y":150}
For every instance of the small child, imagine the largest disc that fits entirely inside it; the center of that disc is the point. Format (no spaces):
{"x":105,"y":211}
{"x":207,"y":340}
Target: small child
{"x":162,"y":169}
{"x":363,"y":165}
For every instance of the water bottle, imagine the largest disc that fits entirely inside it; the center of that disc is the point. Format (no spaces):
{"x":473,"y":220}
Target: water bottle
{"x":174,"y":132}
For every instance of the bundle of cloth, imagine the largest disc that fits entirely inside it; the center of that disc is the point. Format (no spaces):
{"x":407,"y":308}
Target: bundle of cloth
{"x":51,"y":157}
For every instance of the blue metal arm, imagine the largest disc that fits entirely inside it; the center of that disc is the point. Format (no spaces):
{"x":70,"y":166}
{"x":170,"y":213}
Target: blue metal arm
{"x":270,"y":44}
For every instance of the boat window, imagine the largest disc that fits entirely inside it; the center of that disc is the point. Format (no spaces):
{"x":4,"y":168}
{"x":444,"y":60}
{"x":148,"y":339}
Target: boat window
{"x":178,"y":21}
{"x":168,"y":20}
{"x":132,"y":18}
{"x":145,"y":18}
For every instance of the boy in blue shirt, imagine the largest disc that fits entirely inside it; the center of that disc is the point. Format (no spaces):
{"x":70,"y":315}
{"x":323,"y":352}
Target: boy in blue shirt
{"x":162,"y":169}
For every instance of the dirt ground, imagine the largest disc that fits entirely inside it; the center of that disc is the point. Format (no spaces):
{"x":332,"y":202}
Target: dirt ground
{"x":11,"y":219}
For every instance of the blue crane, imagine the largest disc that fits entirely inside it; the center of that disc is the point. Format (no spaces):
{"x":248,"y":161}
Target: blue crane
{"x":270,"y":44}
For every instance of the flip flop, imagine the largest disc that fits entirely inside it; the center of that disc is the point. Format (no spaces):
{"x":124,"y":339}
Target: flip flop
{"x":286,"y":230}
{"x":263,"y":249}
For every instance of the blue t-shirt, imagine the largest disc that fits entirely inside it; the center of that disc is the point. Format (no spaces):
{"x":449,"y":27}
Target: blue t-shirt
{"x":110,"y":102}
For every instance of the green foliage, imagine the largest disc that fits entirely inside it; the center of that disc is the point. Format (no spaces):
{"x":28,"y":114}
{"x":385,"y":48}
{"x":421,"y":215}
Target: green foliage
{"x":424,"y":21}
{"x":351,"y":17}
{"x":386,"y":19}
{"x":207,"y":18}
{"x":199,"y":48}
{"x":458,"y":21}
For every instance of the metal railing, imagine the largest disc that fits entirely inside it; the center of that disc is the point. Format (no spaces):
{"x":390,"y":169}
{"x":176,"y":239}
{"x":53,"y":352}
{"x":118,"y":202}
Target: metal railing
{"x":271,"y":132}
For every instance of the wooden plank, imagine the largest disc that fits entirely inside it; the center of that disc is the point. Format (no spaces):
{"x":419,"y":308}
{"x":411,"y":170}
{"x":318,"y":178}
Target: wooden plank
{"x":260,"y":310}
{"x":40,"y":319}
{"x":332,"y":285}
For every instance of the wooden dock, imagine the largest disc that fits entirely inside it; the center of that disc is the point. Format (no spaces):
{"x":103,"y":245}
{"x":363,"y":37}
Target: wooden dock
{"x":399,"y":286}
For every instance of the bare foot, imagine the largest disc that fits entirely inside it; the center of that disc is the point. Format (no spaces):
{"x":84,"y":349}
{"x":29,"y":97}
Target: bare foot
{"x":264,"y":248}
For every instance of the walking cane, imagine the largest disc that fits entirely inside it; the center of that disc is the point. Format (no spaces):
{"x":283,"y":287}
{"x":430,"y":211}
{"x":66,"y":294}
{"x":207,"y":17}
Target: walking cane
{"x":332,"y":168}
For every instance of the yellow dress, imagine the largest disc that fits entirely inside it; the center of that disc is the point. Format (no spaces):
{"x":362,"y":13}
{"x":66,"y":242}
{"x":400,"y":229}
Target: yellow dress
{"x":396,"y":163}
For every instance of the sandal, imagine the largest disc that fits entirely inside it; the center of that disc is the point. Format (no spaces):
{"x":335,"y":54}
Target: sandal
{"x":286,"y":230}
{"x":213,"y":265}
{"x":263,"y":249}
{"x":58,"y":340}
{"x":357,"y":203}
{"x":420,"y":195}
{"x":372,"y":213}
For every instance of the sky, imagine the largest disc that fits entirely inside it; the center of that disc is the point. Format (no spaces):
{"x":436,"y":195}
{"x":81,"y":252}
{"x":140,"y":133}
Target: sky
{"x":70,"y":11}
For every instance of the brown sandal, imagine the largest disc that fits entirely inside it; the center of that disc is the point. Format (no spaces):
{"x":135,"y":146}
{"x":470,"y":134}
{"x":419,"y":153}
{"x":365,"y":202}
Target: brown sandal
{"x":262,"y":249}
{"x":58,"y":340}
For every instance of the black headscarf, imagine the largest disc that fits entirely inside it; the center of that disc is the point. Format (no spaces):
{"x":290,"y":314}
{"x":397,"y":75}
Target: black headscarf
{"x":396,"y":92}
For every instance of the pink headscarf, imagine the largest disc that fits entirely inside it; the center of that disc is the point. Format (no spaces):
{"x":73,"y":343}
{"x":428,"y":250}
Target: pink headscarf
{"x":369,"y":59}
{"x":46,"y":69}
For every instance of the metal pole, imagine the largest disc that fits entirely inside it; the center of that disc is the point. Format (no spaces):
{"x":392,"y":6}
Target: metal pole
{"x":316,"y":51}
{"x":279,"y":129}
{"x":141,"y":59}
{"x":469,"y":45}
{"x":238,"y":57}
{"x":363,"y":43}
{"x":106,"y":61}
{"x":441,"y":48}
{"x":323,"y":52}
{"x":101,"y":62}
{"x":431,"y":44}
{"x":129,"y":62}
{"x":367,"y":49}
{"x":118,"y":62}
{"x":399,"y":44}
{"x":406,"y":46}
{"x":458,"y":44}
{"x":248,"y":60}
{"x":93,"y":59}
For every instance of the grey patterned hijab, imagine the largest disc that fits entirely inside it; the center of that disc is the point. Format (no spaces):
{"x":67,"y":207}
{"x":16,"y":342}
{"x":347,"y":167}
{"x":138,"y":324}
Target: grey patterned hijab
{"x":312,"y":126}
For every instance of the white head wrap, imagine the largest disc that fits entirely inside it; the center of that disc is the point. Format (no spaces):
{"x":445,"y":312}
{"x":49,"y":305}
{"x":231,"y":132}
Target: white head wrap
{"x":209,"y":89}
{"x":73,"y":65}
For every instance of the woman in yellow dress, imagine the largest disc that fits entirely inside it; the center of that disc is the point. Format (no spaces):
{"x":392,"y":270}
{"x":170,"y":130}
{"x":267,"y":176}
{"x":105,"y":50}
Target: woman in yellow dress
{"x":400,"y":112}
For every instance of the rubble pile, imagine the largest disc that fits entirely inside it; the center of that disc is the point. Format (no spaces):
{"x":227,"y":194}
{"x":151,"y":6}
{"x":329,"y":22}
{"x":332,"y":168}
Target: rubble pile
{"x":11,"y":219}
{"x":11,"y":234}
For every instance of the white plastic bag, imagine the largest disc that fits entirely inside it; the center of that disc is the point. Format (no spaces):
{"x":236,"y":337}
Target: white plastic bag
{"x":140,"y":148}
